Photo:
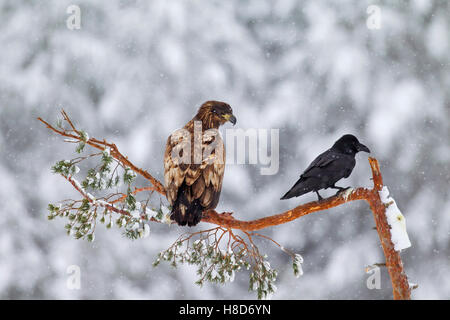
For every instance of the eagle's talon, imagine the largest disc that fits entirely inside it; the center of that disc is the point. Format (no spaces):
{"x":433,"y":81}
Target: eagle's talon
{"x":227,"y":215}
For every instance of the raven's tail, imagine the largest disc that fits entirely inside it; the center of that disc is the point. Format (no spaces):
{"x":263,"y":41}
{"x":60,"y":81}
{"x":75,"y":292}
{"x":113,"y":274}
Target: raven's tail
{"x":297,"y":190}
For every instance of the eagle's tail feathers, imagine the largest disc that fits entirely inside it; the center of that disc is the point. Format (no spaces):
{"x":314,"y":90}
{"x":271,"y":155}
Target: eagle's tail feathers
{"x":185,"y":213}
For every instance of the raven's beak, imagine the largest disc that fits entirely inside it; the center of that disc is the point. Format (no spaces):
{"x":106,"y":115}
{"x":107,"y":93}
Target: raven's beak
{"x":362,"y":147}
{"x":230,"y":117}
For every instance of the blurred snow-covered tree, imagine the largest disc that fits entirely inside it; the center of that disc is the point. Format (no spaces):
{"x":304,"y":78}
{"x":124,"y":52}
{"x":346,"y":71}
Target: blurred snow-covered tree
{"x":136,"y":70}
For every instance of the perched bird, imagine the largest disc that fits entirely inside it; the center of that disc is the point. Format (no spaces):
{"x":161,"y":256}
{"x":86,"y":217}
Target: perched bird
{"x":194,"y":163}
{"x":328,"y":168}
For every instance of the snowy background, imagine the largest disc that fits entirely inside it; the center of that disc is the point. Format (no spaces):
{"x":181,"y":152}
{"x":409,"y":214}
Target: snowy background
{"x":137,"y":70}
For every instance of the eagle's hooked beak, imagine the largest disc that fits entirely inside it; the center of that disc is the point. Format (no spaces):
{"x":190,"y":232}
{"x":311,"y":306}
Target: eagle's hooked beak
{"x":230,"y":117}
{"x":362,"y":147}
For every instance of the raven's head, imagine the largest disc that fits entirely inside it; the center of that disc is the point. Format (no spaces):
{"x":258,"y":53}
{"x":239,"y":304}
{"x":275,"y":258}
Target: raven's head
{"x":349,"y":144}
{"x":215,"y":113}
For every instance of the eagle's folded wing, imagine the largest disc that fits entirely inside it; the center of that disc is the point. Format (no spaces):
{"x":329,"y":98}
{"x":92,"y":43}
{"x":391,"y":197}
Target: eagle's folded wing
{"x":201,"y":181}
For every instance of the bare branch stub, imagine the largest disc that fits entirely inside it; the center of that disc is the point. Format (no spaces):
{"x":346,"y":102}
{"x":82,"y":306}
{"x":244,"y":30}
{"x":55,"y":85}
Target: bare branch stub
{"x":226,"y":223}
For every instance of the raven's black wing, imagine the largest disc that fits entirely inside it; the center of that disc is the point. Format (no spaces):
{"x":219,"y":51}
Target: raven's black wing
{"x":332,"y":164}
{"x":321,"y":161}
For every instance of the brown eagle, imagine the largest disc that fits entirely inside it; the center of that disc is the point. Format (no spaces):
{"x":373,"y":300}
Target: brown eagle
{"x":194,"y":163}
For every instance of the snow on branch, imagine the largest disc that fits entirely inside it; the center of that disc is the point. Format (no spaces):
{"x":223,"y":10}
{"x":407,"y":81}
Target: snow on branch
{"x":396,"y":221}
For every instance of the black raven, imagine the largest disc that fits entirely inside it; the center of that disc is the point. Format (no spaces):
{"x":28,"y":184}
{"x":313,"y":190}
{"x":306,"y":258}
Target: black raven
{"x":328,"y":168}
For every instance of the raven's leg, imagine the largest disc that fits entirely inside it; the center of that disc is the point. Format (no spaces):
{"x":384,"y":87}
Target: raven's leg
{"x":340,"y":189}
{"x":334,"y":186}
{"x":320,"y":198}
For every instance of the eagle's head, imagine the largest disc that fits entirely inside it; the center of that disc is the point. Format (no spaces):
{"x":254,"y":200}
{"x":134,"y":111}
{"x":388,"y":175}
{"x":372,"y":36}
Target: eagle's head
{"x":215,"y":113}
